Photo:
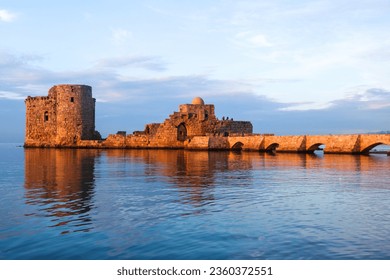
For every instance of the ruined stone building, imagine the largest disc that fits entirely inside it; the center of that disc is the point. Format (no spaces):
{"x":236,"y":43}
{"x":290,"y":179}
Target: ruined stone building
{"x":195,"y":119}
{"x":63,"y":118}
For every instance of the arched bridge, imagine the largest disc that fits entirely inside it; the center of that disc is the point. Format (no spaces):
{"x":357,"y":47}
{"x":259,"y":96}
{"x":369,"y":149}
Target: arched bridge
{"x":348,"y":144}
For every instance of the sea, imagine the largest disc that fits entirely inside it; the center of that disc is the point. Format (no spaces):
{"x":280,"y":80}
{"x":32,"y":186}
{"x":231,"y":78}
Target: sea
{"x":87,"y":204}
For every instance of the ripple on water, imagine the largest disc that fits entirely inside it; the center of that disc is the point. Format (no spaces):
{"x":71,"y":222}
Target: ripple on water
{"x":139,"y":204}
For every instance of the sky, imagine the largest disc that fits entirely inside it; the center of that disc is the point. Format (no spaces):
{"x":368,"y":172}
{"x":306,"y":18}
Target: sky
{"x":289,"y":67}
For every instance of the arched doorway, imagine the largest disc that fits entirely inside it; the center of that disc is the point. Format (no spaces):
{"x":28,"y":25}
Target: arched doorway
{"x":237,"y":146}
{"x":181,"y":132}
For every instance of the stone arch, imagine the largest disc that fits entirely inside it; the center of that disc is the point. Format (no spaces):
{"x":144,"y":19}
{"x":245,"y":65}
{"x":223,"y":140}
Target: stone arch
{"x":237,"y":146}
{"x":367,"y":149}
{"x":315,"y":147}
{"x":181,"y":132}
{"x":272,"y":147}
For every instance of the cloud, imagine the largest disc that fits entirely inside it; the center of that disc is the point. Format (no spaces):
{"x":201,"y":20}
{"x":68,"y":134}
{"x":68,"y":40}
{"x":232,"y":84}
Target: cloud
{"x":159,"y":90}
{"x":252,"y":40}
{"x":370,"y":99}
{"x":145,"y":62}
{"x":7,"y":16}
{"x":305,"y":106}
{"x":120,"y":35}
{"x":365,"y":111}
{"x":16,"y":73}
{"x":7,"y":59}
{"x":11,"y":95}
{"x":259,"y":41}
{"x":358,"y":98}
{"x":19,"y":77}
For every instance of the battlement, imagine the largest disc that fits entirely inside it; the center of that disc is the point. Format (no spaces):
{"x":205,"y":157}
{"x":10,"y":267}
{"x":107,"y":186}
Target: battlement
{"x":30,"y":99}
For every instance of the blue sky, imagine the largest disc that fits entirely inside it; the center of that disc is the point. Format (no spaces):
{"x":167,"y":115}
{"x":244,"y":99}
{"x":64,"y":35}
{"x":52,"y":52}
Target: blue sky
{"x":290,"y":67}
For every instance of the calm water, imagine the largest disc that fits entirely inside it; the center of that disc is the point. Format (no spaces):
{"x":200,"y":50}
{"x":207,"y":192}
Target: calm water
{"x":140,"y":204}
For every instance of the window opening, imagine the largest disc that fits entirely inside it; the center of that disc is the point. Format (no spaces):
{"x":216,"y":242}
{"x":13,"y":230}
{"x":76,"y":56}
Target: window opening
{"x":46,"y":116}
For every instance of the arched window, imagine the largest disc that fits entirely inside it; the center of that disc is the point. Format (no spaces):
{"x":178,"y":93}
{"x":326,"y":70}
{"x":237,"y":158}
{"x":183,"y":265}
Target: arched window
{"x":181,"y":132}
{"x":46,"y":116}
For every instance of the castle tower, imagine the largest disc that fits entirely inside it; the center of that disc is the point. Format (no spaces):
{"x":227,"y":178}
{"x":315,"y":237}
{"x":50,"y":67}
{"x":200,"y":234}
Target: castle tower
{"x":64,"y":117}
{"x":75,"y":113}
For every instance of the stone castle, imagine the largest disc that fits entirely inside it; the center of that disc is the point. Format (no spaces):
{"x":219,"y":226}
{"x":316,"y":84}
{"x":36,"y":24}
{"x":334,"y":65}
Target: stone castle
{"x":66,"y":119}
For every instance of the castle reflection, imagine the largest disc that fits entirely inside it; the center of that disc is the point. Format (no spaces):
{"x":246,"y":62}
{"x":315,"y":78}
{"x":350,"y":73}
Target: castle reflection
{"x":196,"y":173}
{"x":191,"y":173}
{"x":60,"y":183}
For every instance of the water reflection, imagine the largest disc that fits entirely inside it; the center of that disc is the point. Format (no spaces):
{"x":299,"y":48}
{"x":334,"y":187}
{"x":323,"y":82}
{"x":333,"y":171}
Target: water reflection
{"x":336,"y":162}
{"x":60,"y":183}
{"x":192,"y":173}
{"x":196,"y":173}
{"x":156,"y":204}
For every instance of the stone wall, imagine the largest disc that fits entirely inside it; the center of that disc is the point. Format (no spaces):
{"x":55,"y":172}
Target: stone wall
{"x":230,"y":127}
{"x":293,"y":143}
{"x":198,"y":143}
{"x":41,"y":121}
{"x":348,"y":143}
{"x":246,"y":142}
{"x":137,"y":141}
